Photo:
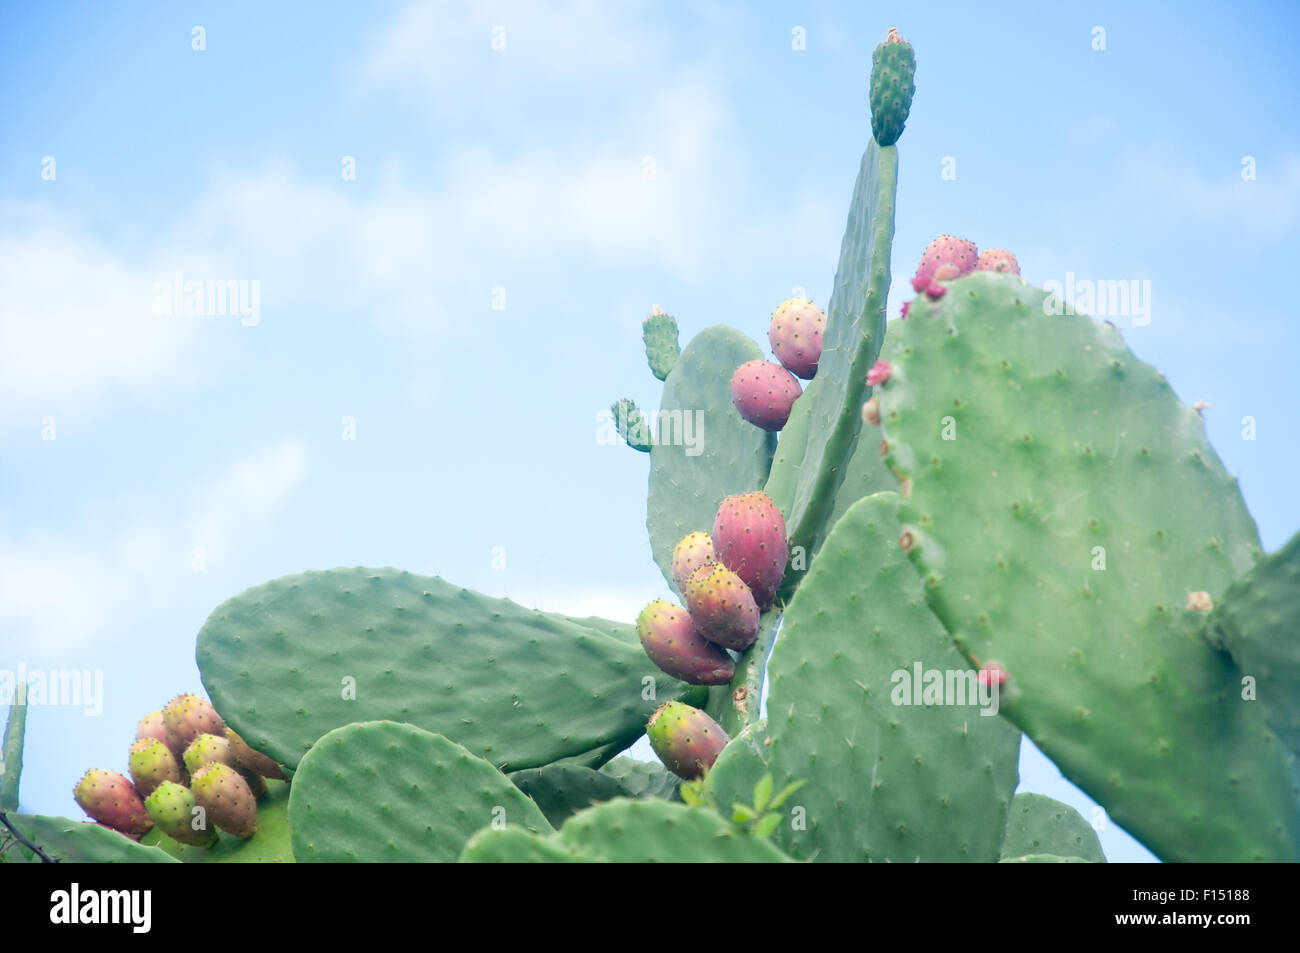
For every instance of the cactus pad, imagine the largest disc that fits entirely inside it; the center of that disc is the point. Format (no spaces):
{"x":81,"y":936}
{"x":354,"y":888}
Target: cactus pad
{"x":382,"y":791}
{"x":1038,"y":824}
{"x":1060,"y":531}
{"x":1258,"y":622}
{"x":289,"y":660}
{"x":885,"y":782}
{"x":730,"y":456}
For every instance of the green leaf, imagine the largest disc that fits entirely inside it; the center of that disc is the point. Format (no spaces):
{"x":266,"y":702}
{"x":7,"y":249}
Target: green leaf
{"x":763,"y":793}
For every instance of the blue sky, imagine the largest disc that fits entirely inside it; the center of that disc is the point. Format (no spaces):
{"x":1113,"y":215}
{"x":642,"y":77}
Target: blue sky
{"x":520,"y":172}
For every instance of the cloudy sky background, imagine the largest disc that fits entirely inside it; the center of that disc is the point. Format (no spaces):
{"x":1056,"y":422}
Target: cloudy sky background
{"x":522,"y":170}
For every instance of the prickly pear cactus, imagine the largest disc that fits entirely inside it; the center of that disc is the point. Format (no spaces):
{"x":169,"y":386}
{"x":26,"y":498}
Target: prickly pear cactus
{"x":959,"y":530}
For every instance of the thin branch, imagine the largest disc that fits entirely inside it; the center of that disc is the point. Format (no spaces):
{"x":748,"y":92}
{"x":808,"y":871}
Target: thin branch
{"x":45,"y":858}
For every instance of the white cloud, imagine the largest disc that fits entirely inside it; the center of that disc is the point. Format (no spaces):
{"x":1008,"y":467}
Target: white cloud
{"x":440,"y":48}
{"x":618,"y":604}
{"x":1267,"y":206}
{"x":412,"y":251}
{"x":77,"y":327}
{"x":62,"y":593}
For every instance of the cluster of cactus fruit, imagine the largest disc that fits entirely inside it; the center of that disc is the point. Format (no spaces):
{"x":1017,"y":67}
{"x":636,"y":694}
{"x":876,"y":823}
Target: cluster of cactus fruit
{"x":190,"y":776}
{"x":965,"y":492}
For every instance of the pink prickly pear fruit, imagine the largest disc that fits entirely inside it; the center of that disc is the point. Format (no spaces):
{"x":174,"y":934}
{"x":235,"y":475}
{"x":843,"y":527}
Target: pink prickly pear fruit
{"x":946,"y":258}
{"x":153,"y":725}
{"x":151,"y":763}
{"x":225,"y":795}
{"x":796,"y":336}
{"x":879,"y":373}
{"x":691,"y":552}
{"x":172,"y":808}
{"x":113,"y":801}
{"x":253,"y":760}
{"x":722,"y":607}
{"x":671,"y":640}
{"x":993,"y":674}
{"x":686,"y":740}
{"x":206,"y":749}
{"x":764,"y":393}
{"x":936,"y":291}
{"x":750,"y":540}
{"x":188,"y":716}
{"x":996,"y":259}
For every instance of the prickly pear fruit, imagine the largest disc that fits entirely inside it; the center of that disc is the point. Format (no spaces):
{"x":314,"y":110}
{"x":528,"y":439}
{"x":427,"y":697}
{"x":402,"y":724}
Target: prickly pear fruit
{"x":670,"y":639}
{"x":722,"y":607}
{"x":112,"y":800}
{"x":171,"y":806}
{"x":995,"y":259}
{"x":256,"y":783}
{"x":153,"y":725}
{"x":749,"y":538}
{"x":796,"y":336}
{"x":686,"y":740}
{"x":151,"y":763}
{"x":252,"y":759}
{"x":188,"y":716}
{"x":893,"y":69}
{"x":879,"y":373}
{"x":764,"y":392}
{"x":946,"y":258}
{"x":691,"y":552}
{"x":659,"y":331}
{"x":219,"y":790}
{"x":205,"y":749}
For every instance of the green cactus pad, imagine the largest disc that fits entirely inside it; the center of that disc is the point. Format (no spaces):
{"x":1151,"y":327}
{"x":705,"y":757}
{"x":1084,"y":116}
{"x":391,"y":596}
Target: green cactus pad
{"x":866,"y":472}
{"x":514,"y":845}
{"x":828,"y":417}
{"x":623,"y":631}
{"x":736,"y":704}
{"x":644,"y":778}
{"x":1038,"y":824}
{"x":519,"y":687}
{"x":382,"y":791}
{"x":11,"y":754}
{"x":733,"y":456}
{"x":893,"y":68}
{"x":1258,"y":622}
{"x":1044,"y":859}
{"x":562,"y":790}
{"x":659,"y":331}
{"x":885,"y":782}
{"x":740,"y":766}
{"x":270,"y":845}
{"x":631,"y":425}
{"x":1067,"y":451}
{"x":628,"y":832}
{"x":652,"y":831}
{"x":81,"y":842}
